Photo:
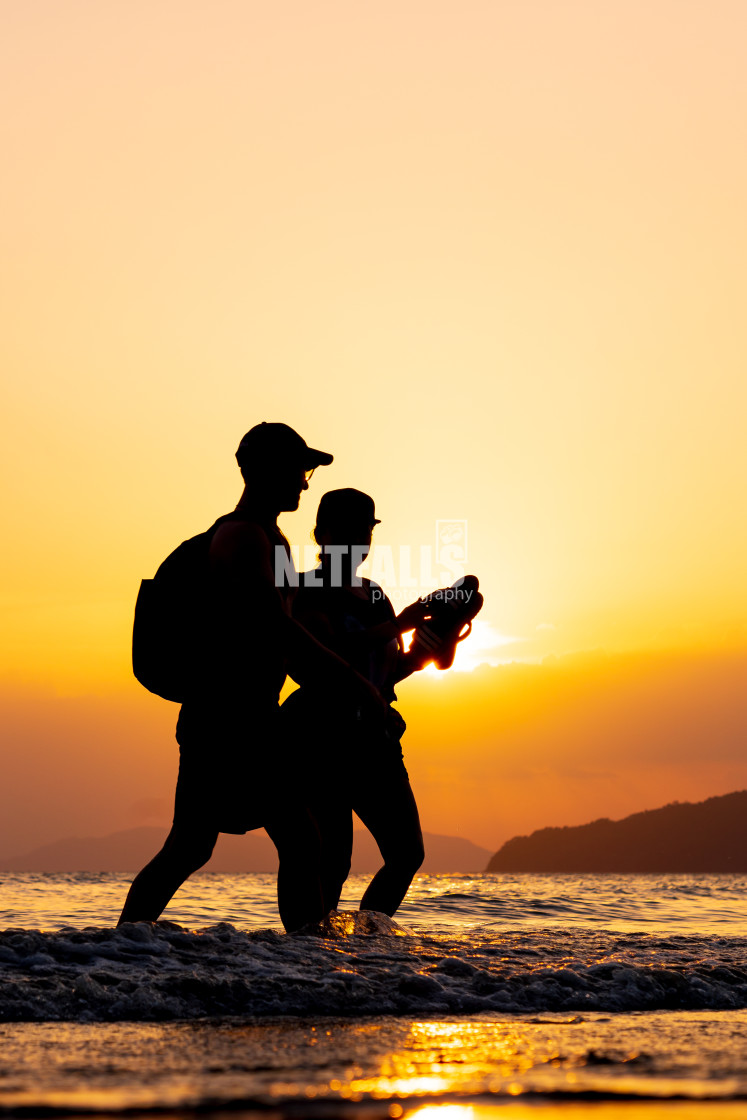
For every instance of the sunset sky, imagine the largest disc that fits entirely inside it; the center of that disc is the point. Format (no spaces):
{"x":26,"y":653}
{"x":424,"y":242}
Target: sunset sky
{"x":489,"y":254}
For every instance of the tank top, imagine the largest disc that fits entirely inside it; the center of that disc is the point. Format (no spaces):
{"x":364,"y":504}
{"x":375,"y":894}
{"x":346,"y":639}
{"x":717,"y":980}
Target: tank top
{"x":348,"y":615}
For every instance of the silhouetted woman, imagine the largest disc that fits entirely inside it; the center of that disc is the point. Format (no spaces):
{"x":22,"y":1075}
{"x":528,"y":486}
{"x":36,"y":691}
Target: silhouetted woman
{"x":347,"y":759}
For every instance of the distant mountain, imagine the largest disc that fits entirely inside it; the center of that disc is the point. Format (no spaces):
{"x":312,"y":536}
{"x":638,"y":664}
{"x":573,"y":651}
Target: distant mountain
{"x":707,"y":836}
{"x":131,"y":849}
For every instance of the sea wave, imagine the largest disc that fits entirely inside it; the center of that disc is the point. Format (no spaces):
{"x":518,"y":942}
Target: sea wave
{"x":357,"y":965}
{"x":685,"y":904}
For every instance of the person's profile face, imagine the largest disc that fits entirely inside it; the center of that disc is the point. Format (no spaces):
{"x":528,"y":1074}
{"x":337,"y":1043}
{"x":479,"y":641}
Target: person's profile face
{"x":351,"y":532}
{"x":288,"y":482}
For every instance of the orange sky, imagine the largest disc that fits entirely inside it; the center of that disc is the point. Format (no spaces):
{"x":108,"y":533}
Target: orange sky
{"x":491,"y":255}
{"x":491,"y":753}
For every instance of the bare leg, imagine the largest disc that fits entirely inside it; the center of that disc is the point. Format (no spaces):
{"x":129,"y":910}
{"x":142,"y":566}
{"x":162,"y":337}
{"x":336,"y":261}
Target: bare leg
{"x":334,"y":819}
{"x":186,"y":850}
{"x":296,"y":838}
{"x":389,"y":812}
{"x":299,"y":891}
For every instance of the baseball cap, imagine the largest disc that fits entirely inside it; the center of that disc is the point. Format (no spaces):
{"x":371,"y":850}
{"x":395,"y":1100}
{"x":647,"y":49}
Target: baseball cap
{"x":279,"y":441}
{"x":346,"y":503}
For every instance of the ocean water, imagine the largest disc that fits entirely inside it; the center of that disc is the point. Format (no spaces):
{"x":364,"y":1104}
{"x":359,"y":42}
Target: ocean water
{"x":505,"y":992}
{"x":665,"y":904}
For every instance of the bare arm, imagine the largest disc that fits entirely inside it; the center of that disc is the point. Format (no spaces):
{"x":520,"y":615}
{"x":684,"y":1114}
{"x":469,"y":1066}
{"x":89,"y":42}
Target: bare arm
{"x":412,"y":616}
{"x":318,"y":624}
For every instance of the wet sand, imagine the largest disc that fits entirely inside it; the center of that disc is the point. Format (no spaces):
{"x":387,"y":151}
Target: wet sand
{"x":645,"y":1064}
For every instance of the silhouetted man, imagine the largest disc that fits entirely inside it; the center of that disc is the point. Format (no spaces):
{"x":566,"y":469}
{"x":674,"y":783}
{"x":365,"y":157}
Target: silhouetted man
{"x":231,"y":773}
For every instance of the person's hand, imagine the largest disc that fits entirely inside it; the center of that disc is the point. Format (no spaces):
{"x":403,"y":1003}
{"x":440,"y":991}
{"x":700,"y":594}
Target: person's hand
{"x":413,"y":616}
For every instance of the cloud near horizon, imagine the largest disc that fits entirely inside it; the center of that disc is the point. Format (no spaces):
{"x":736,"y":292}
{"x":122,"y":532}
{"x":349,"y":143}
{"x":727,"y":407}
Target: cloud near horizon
{"x":491,"y":754}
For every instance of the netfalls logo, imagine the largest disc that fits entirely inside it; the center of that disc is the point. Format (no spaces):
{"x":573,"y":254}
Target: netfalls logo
{"x":406,"y":571}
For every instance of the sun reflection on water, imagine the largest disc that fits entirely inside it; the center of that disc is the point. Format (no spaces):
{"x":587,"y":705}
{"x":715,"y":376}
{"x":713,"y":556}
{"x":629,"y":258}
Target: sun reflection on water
{"x":436,"y":1058}
{"x":510,"y":1059}
{"x":598,"y":1110}
{"x":447,"y":1069}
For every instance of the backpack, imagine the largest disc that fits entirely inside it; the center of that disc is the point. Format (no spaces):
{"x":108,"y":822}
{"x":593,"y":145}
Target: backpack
{"x":169,"y":618}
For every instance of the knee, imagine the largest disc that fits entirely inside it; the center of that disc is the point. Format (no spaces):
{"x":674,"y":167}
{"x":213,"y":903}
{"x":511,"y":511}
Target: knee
{"x":336,"y":858}
{"x":195,"y":858}
{"x":188,"y":853}
{"x":412,"y":855}
{"x":296,"y":839}
{"x":407,"y":859}
{"x":335,"y":870}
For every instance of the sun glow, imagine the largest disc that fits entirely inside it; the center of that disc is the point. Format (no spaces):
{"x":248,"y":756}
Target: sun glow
{"x":507,"y":298}
{"x":482,"y":646}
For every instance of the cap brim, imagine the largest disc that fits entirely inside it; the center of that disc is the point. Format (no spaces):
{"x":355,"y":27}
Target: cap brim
{"x":314,"y":458}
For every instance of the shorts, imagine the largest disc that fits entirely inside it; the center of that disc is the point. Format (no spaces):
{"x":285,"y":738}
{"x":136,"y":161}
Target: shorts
{"x":335,"y":753}
{"x":230,"y":775}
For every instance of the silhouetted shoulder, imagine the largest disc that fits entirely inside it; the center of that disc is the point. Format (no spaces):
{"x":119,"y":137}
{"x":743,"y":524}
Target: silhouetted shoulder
{"x":239,"y":535}
{"x":241,"y":551}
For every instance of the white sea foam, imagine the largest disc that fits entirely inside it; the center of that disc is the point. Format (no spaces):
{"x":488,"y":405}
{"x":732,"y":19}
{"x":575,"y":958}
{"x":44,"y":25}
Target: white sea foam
{"x":159,"y":972}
